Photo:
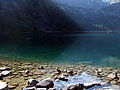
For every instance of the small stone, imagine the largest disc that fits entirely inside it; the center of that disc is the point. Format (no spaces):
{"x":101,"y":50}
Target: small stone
{"x":4,"y":68}
{"x":32,"y":82}
{"x":59,"y":71}
{"x":51,"y":89}
{"x":70,"y":72}
{"x":41,"y":67}
{"x":113,"y":75}
{"x":41,"y":89}
{"x":15,"y":73}
{"x":29,"y":88}
{"x":63,"y":78}
{"x":11,"y":86}
{"x":5,"y":73}
{"x":1,"y":78}
{"x":38,"y":73}
{"x":24,"y":71}
{"x":25,"y":75}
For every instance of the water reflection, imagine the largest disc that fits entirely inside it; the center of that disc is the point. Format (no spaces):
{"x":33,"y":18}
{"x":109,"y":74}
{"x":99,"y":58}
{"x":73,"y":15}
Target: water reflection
{"x":95,"y":49}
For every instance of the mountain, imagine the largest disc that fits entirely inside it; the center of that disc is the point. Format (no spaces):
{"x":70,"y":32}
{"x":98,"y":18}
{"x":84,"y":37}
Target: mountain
{"x":112,"y":1}
{"x":113,"y":9}
{"x":93,"y":4}
{"x":99,"y":20}
{"x":32,"y":20}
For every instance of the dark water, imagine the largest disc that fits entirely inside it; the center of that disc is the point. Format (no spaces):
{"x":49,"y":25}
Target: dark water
{"x":95,"y":49}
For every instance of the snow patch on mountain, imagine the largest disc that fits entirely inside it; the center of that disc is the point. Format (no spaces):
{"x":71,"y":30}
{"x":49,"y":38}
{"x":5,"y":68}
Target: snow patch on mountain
{"x":112,"y":1}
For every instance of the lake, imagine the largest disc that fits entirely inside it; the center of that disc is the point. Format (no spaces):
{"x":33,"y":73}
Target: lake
{"x":93,"y":49}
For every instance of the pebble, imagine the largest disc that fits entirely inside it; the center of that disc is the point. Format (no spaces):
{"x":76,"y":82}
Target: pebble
{"x":38,"y":73}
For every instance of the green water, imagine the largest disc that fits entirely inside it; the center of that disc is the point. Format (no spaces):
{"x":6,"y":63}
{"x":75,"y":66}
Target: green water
{"x":93,"y":49}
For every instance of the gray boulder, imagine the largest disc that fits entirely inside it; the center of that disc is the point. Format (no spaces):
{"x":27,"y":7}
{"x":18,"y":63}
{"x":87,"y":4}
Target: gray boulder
{"x":45,"y":84}
{"x":32,"y":82}
{"x":3,"y":86}
{"x":4,"y":68}
{"x":5,"y":73}
{"x":76,"y":87}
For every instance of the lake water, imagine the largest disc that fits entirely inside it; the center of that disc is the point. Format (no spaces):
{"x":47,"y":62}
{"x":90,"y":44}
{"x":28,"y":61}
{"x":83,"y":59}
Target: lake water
{"x":93,"y":49}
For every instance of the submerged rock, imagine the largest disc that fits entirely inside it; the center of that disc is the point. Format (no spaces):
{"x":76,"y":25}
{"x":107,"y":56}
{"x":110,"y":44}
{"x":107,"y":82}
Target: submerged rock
{"x":83,"y":79}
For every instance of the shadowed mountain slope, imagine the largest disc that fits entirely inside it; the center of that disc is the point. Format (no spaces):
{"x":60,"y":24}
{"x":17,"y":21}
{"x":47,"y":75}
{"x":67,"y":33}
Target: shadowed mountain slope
{"x":32,"y":20}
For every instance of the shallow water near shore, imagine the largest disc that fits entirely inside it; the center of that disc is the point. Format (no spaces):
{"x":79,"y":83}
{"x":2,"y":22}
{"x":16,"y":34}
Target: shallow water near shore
{"x":93,"y":49}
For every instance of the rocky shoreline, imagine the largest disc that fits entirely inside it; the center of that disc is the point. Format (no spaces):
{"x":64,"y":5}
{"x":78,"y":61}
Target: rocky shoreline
{"x":18,"y":75}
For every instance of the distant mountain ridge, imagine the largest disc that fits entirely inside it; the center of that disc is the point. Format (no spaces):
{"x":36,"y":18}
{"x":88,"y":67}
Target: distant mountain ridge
{"x":104,"y":19}
{"x":112,"y":1}
{"x":94,"y":4}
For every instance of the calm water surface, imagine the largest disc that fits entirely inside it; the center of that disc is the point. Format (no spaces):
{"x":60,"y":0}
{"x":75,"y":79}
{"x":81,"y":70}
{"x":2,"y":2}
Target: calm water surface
{"x":93,"y":49}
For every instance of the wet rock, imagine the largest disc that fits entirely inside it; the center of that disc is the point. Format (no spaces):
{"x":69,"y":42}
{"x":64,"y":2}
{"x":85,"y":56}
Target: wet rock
{"x":79,"y":72}
{"x":29,"y":88}
{"x":98,"y":72}
{"x":63,"y":78}
{"x":41,"y":89}
{"x":3,"y":86}
{"x":13,"y":86}
{"x":51,"y":89}
{"x":38,"y":73}
{"x":41,"y":67}
{"x":24,"y":71}
{"x":110,"y":87}
{"x":1,"y":78}
{"x":59,"y":71}
{"x":32,"y":82}
{"x":5,"y":73}
{"x":5,"y":68}
{"x":45,"y":84}
{"x":113,"y":75}
{"x":76,"y":87}
{"x":112,"y":78}
{"x":89,"y":85}
{"x":70,"y":72}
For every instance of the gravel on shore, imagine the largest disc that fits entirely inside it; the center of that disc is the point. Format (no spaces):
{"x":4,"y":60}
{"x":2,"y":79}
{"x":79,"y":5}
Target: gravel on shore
{"x":17,"y":74}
